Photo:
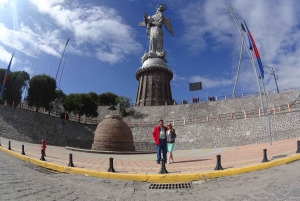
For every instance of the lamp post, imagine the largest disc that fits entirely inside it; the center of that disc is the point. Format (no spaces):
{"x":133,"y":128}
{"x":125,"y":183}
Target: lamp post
{"x":275,"y":76}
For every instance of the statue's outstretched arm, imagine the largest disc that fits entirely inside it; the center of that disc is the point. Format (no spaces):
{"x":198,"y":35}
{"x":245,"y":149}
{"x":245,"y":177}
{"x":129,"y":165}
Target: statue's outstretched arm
{"x":145,"y":22}
{"x":168,"y":25}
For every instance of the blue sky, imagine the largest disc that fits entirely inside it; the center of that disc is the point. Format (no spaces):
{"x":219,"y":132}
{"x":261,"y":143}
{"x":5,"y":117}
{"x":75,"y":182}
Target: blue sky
{"x":106,"y":44}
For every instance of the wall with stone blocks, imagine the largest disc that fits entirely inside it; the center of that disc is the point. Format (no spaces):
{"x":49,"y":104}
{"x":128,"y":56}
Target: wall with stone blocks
{"x":228,"y":133}
{"x":29,"y":126}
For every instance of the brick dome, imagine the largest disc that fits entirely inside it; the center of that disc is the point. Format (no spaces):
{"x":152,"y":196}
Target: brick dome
{"x":112,"y":134}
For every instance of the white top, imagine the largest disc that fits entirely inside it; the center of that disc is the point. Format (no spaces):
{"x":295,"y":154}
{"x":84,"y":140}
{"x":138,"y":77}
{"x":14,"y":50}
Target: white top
{"x":168,"y":136}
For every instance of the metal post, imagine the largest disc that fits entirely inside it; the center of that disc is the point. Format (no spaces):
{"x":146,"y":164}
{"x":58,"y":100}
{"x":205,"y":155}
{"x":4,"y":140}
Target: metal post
{"x":238,"y":71}
{"x":23,"y":152}
{"x":9,"y":148}
{"x":298,"y":146}
{"x":273,"y":73}
{"x":163,"y":169}
{"x":111,"y":165}
{"x":71,"y":161}
{"x":43,"y":155}
{"x":265,"y":159}
{"x":218,"y":166}
{"x":268,"y":116}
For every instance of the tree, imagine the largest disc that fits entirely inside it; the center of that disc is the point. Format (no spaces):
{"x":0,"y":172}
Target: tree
{"x":124,"y":102}
{"x":41,"y":91}
{"x":14,"y":86}
{"x":107,"y":98}
{"x":94,"y":96}
{"x":82,"y":104}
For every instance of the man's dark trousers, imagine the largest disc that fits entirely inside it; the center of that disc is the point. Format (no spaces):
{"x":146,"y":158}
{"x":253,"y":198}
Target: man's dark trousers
{"x":161,"y":148}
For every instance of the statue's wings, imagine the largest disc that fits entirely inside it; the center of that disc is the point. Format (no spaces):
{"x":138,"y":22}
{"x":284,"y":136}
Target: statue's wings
{"x":142,"y":24}
{"x":168,"y":25}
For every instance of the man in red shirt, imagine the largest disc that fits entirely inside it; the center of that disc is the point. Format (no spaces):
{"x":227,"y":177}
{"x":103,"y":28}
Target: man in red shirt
{"x":159,"y":137}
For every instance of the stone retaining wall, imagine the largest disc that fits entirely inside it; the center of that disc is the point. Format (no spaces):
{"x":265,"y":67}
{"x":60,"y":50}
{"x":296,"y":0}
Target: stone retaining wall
{"x":29,"y":126}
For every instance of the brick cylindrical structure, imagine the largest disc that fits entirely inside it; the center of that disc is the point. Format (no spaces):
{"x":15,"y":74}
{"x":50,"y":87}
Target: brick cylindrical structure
{"x":112,"y":134}
{"x":154,"y":83}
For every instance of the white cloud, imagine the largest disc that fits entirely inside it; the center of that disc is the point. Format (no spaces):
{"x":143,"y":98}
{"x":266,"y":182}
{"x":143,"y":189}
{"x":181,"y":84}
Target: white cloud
{"x":98,"y":26}
{"x":2,"y":2}
{"x":4,"y":56}
{"x":30,"y":42}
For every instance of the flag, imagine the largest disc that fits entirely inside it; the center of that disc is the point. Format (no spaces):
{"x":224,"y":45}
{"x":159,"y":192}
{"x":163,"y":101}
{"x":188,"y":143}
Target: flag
{"x":253,"y":47}
{"x":6,"y":75}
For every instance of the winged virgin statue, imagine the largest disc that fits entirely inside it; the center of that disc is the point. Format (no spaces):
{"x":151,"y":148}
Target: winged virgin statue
{"x":154,"y":30}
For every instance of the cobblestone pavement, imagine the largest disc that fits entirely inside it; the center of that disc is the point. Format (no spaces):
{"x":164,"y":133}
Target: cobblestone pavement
{"x":20,"y":180}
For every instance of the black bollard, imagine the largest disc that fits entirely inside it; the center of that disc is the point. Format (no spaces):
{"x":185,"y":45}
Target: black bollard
{"x":43,"y":155}
{"x":0,"y":142}
{"x":71,"y":161}
{"x":163,"y":169}
{"x":265,"y":159}
{"x":298,"y":146}
{"x":218,"y":166}
{"x":9,"y":148}
{"x":111,"y":165}
{"x":23,"y":152}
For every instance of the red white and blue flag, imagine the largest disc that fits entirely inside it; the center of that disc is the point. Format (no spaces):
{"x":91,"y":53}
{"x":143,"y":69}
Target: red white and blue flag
{"x":253,"y":47}
{"x":6,"y":75}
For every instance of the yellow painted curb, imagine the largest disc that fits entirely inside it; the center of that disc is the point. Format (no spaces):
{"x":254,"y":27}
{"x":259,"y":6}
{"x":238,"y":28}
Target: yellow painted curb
{"x":155,"y":178}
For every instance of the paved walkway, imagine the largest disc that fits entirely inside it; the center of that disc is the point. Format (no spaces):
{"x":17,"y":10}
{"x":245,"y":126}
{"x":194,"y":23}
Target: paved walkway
{"x":186,"y":161}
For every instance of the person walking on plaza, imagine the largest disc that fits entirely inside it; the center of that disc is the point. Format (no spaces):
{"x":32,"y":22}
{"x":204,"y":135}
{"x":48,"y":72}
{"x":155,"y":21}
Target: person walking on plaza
{"x":159,"y":137}
{"x":171,"y":135}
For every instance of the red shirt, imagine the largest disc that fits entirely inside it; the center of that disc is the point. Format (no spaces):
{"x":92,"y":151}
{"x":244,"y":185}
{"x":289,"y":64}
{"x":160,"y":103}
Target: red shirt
{"x":156,"y":134}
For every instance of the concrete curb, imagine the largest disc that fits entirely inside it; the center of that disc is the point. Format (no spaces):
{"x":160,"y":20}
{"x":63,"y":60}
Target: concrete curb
{"x":156,"y":178}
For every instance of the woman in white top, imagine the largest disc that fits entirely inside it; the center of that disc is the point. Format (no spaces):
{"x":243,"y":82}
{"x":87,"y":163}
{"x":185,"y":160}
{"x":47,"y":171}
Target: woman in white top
{"x":171,"y":135}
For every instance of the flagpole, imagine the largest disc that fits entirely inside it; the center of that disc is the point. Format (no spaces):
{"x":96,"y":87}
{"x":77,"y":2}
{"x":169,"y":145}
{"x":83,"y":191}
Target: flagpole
{"x":230,"y":10}
{"x":62,"y":71}
{"x":6,"y":76}
{"x":238,"y":71}
{"x":50,"y":104}
{"x":61,"y":59}
{"x":268,"y":116}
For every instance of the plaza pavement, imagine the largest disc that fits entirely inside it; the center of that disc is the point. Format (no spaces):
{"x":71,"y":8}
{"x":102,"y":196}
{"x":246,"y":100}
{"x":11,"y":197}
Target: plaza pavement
{"x":189,"y":165}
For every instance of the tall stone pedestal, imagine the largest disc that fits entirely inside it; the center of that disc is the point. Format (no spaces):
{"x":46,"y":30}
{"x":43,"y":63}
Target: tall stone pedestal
{"x":154,"y":78}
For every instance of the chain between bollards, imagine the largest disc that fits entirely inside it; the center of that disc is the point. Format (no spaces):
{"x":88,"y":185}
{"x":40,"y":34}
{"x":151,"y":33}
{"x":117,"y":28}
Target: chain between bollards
{"x":265,"y":159}
{"x":9,"y":148}
{"x":71,"y":161}
{"x":163,"y":169}
{"x":298,"y":146}
{"x":43,"y":155}
{"x":218,"y":166}
{"x":23,"y":152}
{"x":111,"y":165}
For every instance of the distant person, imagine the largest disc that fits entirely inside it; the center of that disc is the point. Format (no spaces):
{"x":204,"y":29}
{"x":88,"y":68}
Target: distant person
{"x":160,"y":139}
{"x":171,"y":135}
